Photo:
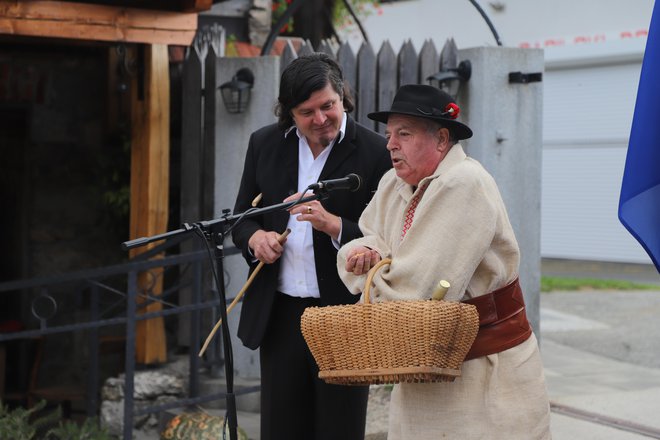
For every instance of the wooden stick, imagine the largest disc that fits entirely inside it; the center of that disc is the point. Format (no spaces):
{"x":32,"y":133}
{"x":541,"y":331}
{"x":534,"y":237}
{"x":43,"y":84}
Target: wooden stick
{"x":256,"y":200}
{"x":238,"y":297}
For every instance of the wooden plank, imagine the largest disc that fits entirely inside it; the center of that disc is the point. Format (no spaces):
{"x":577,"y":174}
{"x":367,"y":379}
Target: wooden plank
{"x":212,"y":100}
{"x":449,"y":55}
{"x":366,"y":90}
{"x":306,"y":48}
{"x":326,"y":47}
{"x":288,"y":55}
{"x":84,"y":21}
{"x":428,"y":61}
{"x":387,"y":81}
{"x":56,"y":30}
{"x":346,"y":60}
{"x":150,"y":149}
{"x":407,"y":64}
{"x":191,"y":132}
{"x":216,"y":38}
{"x":191,"y":183}
{"x":92,"y":14}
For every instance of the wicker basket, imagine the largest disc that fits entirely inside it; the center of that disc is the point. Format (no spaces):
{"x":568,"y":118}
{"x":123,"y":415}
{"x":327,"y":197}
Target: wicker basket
{"x":390,"y":342}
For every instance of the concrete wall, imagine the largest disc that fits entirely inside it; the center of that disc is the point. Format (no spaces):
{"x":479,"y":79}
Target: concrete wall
{"x":507,"y":120}
{"x":232,"y":132}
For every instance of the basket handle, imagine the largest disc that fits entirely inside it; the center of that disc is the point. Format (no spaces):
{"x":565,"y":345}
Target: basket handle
{"x":370,"y":277}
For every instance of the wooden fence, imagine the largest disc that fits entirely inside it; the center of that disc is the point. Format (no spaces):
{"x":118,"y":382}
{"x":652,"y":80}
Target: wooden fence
{"x":373,"y":77}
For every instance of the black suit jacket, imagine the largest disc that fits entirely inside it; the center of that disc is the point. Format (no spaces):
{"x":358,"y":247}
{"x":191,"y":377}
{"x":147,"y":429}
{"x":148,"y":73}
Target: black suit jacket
{"x":271,"y":168}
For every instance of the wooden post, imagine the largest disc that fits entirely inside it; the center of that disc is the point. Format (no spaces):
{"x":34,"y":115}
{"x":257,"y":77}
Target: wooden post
{"x":150,"y":150}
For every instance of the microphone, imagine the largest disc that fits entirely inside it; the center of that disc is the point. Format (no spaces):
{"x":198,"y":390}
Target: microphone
{"x":351,"y":182}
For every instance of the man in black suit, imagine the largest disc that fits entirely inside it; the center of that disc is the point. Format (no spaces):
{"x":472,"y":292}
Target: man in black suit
{"x":314,"y":140}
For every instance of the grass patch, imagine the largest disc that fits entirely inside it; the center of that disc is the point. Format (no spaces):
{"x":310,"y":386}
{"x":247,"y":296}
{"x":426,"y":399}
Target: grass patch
{"x":559,"y":283}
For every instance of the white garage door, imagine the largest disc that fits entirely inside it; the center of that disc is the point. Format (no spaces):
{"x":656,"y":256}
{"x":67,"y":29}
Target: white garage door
{"x":586,"y":123}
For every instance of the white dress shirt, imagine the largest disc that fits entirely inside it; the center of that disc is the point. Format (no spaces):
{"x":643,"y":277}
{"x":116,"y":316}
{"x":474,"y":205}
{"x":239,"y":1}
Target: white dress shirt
{"x":297,"y":268}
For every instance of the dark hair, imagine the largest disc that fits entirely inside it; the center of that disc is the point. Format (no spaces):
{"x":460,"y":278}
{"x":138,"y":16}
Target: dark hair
{"x":304,"y":76}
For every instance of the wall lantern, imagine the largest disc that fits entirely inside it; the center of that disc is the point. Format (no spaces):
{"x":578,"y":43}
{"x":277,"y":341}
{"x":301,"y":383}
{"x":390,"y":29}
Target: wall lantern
{"x":236,"y":93}
{"x":450,"y":80}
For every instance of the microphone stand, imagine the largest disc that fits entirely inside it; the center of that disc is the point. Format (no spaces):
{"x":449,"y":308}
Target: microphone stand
{"x":215,"y":231}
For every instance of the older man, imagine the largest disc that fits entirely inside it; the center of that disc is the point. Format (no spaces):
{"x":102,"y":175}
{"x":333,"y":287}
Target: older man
{"x":439,"y":215}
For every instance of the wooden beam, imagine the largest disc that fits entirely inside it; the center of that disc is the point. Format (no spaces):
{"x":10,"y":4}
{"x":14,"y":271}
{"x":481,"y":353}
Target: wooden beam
{"x":150,"y":151}
{"x":84,"y":21}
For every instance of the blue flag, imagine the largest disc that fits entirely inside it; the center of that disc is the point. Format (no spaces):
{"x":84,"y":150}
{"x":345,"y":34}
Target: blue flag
{"x":639,"y":204}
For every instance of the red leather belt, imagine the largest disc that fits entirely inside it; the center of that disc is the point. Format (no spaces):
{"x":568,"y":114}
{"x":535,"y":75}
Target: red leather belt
{"x":502,"y":321}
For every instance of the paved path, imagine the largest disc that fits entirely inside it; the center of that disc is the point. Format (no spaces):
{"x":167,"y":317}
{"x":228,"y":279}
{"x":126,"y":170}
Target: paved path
{"x":601,"y":353}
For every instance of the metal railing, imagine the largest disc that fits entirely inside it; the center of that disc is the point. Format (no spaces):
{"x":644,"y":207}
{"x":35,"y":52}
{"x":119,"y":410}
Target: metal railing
{"x":111,"y":297}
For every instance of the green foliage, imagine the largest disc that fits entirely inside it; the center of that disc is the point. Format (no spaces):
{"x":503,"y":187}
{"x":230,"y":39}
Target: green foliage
{"x":230,"y":46}
{"x":25,"y":424}
{"x":549,"y":284}
{"x":34,"y":423}
{"x":88,"y":430}
{"x":279,"y":6}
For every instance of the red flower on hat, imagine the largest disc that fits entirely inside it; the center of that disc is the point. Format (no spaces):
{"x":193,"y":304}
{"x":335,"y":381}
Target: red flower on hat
{"x":453,"y":110}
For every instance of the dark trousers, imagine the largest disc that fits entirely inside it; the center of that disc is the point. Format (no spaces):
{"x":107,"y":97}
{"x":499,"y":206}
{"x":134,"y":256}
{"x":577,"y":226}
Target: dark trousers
{"x":295,"y":403}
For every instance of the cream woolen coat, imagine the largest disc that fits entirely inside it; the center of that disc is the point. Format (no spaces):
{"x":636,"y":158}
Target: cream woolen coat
{"x":460,"y":233}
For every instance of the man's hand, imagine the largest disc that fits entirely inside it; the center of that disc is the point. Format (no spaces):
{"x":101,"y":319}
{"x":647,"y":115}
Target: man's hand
{"x":265,"y":246}
{"x":360,"y":259}
{"x":316,"y":214}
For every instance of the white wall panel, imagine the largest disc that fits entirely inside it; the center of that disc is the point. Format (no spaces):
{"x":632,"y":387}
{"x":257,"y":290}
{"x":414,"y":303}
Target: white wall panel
{"x":579,"y":206}
{"x":589,"y":103}
{"x":587,"y":116}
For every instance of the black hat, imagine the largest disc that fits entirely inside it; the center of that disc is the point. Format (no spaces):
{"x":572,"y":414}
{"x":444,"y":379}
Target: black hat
{"x":426,"y":102}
